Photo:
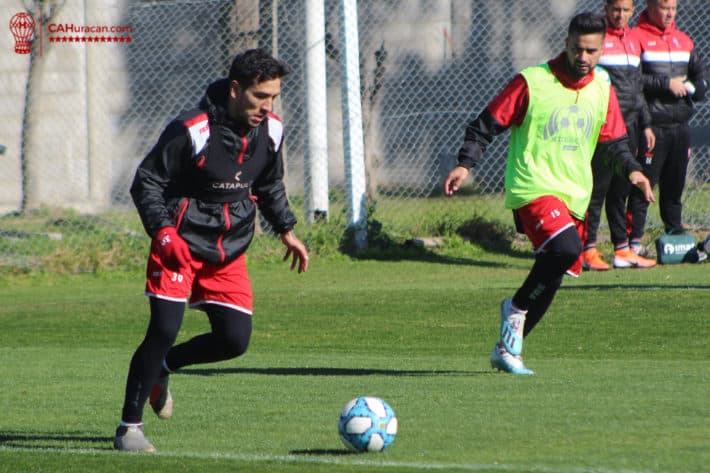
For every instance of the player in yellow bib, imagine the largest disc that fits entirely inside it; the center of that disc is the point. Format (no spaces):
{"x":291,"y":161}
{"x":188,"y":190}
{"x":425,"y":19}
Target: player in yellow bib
{"x":558,"y":113}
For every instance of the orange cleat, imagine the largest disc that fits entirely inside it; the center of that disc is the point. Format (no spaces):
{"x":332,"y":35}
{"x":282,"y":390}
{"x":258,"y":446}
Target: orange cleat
{"x":592,"y":260}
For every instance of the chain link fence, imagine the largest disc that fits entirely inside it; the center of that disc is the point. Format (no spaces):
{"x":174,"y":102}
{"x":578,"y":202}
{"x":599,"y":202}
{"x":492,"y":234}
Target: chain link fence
{"x":104,"y":77}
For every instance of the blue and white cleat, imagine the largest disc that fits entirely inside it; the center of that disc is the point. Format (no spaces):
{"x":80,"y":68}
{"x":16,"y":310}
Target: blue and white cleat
{"x":512,"y":322}
{"x":504,"y":361}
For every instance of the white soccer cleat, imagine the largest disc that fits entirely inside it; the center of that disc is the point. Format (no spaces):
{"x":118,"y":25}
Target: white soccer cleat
{"x":504,"y":361}
{"x":512,"y":322}
{"x":130,"y":438}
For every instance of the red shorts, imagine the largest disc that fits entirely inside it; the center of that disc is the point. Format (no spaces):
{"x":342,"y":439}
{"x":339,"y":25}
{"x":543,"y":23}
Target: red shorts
{"x":226,"y":285}
{"x":543,"y":219}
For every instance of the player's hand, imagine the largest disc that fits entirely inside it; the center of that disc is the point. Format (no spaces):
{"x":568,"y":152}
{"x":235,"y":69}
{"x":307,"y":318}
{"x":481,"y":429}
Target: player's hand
{"x":638,"y":179}
{"x":171,"y":248}
{"x":296,"y":250}
{"x":455,"y":179}
{"x":650,"y":139}
{"x":677,"y":87}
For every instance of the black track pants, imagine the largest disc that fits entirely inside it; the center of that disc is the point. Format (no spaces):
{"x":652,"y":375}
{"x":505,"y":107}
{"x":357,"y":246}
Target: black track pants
{"x":667,"y":168}
{"x":229,"y":338}
{"x":612,"y":191}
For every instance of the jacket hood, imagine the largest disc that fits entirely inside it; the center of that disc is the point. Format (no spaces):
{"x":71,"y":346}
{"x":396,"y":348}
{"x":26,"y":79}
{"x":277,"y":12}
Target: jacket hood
{"x":619,"y":32}
{"x":214,"y":102}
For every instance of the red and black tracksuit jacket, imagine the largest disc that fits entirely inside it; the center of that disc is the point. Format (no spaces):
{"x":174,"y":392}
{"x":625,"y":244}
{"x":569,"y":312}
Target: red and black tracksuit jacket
{"x":207,"y":174}
{"x":664,"y":54}
{"x":621,"y":58}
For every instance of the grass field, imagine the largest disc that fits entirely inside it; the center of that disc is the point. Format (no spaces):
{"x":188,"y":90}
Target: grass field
{"x":621,"y":386}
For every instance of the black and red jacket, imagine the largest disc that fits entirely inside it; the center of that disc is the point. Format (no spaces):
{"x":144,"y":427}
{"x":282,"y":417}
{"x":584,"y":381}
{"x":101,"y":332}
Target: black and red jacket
{"x":665,"y":54}
{"x":621,"y":58}
{"x":204,"y":175}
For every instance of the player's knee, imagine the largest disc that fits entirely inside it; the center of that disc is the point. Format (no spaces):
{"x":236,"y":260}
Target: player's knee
{"x":231,"y":329}
{"x":566,"y":247}
{"x":235,"y":345}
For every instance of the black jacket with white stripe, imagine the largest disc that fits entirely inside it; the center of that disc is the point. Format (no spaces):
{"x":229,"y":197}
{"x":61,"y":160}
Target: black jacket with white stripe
{"x":205,"y":176}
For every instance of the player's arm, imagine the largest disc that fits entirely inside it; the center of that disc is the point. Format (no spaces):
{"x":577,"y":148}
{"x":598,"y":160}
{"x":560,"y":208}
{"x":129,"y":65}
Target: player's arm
{"x":271,"y":195}
{"x":159,"y":171}
{"x":698,"y":76}
{"x":614,"y":143}
{"x":506,"y":110}
{"x":273,"y":203}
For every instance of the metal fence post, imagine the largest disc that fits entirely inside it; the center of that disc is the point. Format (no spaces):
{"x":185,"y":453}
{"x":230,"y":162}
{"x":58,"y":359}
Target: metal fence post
{"x":316,"y":169}
{"x":353,"y":148}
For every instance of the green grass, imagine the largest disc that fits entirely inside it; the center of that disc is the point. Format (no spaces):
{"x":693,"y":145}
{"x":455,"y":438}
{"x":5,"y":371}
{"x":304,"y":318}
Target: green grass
{"x":621,"y":360}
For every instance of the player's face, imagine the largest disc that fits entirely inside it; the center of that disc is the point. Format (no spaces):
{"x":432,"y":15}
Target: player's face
{"x":583,"y":51}
{"x":662,"y":12}
{"x":619,"y":13}
{"x":251,"y":105}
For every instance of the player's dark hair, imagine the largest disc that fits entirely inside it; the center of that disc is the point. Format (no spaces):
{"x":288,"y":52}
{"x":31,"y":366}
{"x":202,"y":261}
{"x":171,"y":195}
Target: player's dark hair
{"x":256,"y":65}
{"x":587,"y":23}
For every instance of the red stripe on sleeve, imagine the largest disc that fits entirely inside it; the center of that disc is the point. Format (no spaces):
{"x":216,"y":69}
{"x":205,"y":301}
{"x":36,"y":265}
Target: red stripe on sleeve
{"x":614,"y":127}
{"x":511,"y":105}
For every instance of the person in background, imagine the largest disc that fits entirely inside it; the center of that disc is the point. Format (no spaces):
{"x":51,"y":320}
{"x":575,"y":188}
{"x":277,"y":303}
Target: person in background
{"x":196,"y":193}
{"x":558,"y":112}
{"x":621,"y":60}
{"x":674,"y":78}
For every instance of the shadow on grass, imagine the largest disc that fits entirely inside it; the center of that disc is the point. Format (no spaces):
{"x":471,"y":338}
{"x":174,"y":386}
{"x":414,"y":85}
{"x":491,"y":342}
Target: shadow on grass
{"x":327,"y":372}
{"x":490,"y":236}
{"x":409,"y":252}
{"x":323,"y":451}
{"x":643,"y":287}
{"x":54,"y":440}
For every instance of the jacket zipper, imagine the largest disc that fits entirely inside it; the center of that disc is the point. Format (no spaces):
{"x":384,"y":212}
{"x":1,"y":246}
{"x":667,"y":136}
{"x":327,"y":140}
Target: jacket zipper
{"x":227,"y":226}
{"x":182,"y":208}
{"x":242,"y":152}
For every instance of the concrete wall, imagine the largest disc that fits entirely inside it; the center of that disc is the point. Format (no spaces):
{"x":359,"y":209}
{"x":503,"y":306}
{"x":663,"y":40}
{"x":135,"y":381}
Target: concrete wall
{"x":71,"y":92}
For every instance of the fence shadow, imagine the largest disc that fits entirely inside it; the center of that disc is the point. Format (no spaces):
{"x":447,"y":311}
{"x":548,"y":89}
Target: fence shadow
{"x":491,"y":237}
{"x":647,"y":287}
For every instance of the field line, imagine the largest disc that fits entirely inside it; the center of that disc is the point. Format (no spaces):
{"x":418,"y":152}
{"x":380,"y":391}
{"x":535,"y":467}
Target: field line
{"x":328,"y":460}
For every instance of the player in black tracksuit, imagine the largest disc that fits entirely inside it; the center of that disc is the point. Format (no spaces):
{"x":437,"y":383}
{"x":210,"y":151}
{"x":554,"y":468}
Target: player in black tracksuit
{"x":620,"y":59}
{"x":674,"y":78}
{"x":196,"y":193}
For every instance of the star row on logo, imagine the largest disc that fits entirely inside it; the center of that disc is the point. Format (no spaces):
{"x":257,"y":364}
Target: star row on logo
{"x":89,"y":39}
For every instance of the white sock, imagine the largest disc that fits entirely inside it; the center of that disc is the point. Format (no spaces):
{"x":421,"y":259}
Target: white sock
{"x":131,"y":424}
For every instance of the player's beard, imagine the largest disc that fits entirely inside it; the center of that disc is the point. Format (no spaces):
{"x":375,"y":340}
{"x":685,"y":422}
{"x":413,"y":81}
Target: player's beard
{"x":581,"y":69}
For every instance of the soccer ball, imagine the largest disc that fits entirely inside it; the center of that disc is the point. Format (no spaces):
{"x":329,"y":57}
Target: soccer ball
{"x":367,"y":424}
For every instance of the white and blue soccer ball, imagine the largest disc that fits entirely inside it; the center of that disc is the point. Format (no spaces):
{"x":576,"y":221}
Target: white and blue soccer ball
{"x":367,"y":424}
